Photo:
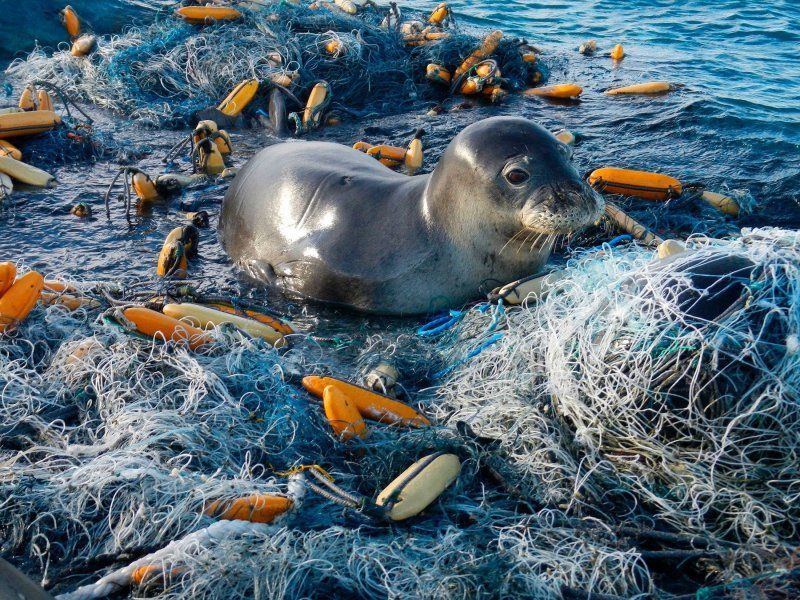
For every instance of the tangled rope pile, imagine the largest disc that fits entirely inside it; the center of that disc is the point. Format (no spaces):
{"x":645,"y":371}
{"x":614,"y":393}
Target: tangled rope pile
{"x":120,"y":444}
{"x":609,"y":401}
{"x":603,"y":434}
{"x":163,"y":73}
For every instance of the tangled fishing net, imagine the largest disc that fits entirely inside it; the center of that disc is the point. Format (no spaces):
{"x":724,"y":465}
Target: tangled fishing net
{"x":603,"y":435}
{"x":608,"y":401}
{"x":163,"y":73}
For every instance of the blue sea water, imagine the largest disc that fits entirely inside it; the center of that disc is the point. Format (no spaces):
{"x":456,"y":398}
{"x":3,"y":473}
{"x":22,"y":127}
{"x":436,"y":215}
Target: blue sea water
{"x":734,"y":124}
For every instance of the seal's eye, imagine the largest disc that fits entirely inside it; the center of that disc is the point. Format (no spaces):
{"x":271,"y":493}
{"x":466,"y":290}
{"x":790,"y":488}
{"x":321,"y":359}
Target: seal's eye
{"x":517,"y":176}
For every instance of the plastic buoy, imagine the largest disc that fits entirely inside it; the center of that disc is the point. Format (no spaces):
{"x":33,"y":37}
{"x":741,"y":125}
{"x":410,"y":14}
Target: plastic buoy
{"x":724,"y":203}
{"x":653,"y":87}
{"x":641,"y":184}
{"x":371,"y":405}
{"x":562,"y":90}
{"x":10,"y":150}
{"x":83,"y":45}
{"x":158,"y":326}
{"x":17,"y":124}
{"x":632,"y":226}
{"x":618,"y":53}
{"x":144,"y":187}
{"x":273,"y":321}
{"x":483,"y":74}
{"x":391,"y":156}
{"x":205,"y":317}
{"x":669,"y":248}
{"x":8,"y":273}
{"x":239,"y":98}
{"x":18,"y":300}
{"x":344,"y":418}
{"x":347,"y":6}
{"x":419,"y":485}
{"x":565,"y":137}
{"x":172,"y":260}
{"x":26,"y":173}
{"x":425,"y":37}
{"x":333,"y":47}
{"x":383,"y":377}
{"x":283,"y":79}
{"x":318,"y":95}
{"x":487,"y":47}
{"x":67,"y":301}
{"x":439,"y":14}
{"x":71,"y":22}
{"x":44,"y":101}
{"x":413,"y":157}
{"x":200,"y":15}
{"x":27,"y":99}
{"x":437,"y":74}
{"x":257,"y":508}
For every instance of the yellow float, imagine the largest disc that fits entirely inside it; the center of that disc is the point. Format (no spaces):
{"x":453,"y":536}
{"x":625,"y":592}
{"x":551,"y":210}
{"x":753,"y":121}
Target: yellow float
{"x":200,"y":15}
{"x":205,"y":317}
{"x":25,"y":173}
{"x":8,"y":273}
{"x":343,"y":416}
{"x":257,"y":508}
{"x":157,"y":326}
{"x":10,"y":150}
{"x":239,"y":98}
{"x":18,"y":124}
{"x":641,"y":184}
{"x":487,"y":47}
{"x":18,"y":300}
{"x":561,"y":90}
{"x":652,"y":87}
{"x":371,"y":405}
{"x":419,"y":485}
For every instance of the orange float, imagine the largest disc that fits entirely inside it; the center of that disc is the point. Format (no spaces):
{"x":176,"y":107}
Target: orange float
{"x":19,"y":299}
{"x":641,"y":184}
{"x":371,"y":405}
{"x":156,"y":325}
{"x":257,"y":508}
{"x":343,"y":416}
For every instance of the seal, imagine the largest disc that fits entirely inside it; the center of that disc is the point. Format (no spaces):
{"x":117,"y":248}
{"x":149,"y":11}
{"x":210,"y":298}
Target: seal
{"x":15,"y":585}
{"x":332,"y":224}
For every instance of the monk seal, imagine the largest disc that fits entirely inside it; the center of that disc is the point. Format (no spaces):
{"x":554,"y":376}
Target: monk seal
{"x":14,"y":585}
{"x":333,"y":224}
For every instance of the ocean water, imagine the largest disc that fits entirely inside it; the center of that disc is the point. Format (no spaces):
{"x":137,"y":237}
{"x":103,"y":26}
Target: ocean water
{"x":734,"y":124}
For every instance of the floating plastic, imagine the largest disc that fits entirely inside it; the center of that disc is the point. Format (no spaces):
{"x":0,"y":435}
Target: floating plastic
{"x":562,"y":90}
{"x":18,"y":301}
{"x":27,"y":123}
{"x":641,"y":184}
{"x":371,"y":405}
{"x":419,"y":485}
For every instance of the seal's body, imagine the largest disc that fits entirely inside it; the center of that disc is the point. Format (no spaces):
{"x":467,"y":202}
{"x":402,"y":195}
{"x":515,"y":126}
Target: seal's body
{"x":14,"y":585}
{"x":333,"y":224}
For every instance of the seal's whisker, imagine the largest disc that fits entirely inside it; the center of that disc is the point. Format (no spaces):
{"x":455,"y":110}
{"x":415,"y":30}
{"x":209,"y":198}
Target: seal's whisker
{"x":524,"y":242}
{"x":512,"y":238}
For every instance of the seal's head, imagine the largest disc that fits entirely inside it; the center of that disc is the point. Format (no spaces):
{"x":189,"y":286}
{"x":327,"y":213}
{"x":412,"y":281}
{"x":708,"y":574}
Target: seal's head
{"x":523,"y":170}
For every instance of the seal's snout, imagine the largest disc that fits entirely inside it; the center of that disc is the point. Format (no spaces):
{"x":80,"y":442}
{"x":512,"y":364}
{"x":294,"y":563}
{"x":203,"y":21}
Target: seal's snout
{"x":562,"y":207}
